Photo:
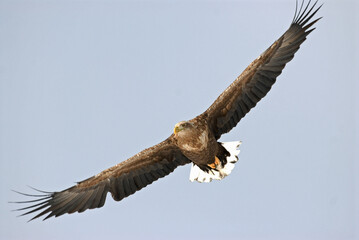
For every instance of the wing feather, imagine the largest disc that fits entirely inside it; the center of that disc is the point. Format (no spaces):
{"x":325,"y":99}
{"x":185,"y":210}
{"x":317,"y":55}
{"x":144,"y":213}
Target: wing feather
{"x":258,"y":78}
{"x":122,"y":180}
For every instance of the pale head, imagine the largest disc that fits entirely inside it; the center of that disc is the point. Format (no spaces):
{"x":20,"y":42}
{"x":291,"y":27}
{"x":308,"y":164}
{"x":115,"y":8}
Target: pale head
{"x":182,"y":127}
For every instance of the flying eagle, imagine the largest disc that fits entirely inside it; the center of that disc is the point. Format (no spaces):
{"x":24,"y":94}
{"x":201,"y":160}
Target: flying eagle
{"x":194,"y":141}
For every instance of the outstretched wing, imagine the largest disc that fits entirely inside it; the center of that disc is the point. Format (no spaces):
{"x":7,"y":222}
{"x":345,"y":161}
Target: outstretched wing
{"x":121,"y":181}
{"x":257,"y":79}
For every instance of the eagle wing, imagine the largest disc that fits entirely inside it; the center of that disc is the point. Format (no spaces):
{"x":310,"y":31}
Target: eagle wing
{"x":120,"y":180}
{"x":257,"y":79}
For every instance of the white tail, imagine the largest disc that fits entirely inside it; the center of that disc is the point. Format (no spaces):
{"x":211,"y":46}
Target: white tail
{"x":221,"y":171}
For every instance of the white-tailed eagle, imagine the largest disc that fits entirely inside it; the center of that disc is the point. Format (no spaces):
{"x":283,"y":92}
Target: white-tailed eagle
{"x":194,"y":141}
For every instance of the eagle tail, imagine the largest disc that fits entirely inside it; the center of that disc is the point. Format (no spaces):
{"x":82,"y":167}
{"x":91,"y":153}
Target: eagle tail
{"x":222,"y":170}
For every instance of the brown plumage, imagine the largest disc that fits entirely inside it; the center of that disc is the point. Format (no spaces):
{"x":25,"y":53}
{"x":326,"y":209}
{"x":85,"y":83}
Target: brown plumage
{"x":193,"y":141}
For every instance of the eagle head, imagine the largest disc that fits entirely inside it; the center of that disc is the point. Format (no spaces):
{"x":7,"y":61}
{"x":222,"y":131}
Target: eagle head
{"x":182,"y":126}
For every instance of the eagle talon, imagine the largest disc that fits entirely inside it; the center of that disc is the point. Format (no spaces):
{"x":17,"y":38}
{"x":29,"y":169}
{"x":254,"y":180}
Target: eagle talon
{"x":215,"y":164}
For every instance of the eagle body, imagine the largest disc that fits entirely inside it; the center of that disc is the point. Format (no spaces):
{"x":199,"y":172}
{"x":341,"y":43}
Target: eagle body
{"x":195,"y":141}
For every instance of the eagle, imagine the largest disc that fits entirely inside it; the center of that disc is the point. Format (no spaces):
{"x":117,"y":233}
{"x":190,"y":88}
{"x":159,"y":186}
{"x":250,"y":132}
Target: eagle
{"x":195,"y":141}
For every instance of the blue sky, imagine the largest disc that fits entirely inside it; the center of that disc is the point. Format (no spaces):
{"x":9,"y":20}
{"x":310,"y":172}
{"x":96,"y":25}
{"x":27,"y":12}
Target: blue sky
{"x":87,"y":84}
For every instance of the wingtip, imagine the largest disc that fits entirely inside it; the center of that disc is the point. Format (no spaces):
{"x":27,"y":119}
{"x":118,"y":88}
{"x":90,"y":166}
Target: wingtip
{"x":302,"y":17}
{"x":38,"y":190}
{"x":30,"y":195}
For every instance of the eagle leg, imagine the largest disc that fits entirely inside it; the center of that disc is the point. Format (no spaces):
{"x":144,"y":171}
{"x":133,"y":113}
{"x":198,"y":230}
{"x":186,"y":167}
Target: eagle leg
{"x":215,"y":163}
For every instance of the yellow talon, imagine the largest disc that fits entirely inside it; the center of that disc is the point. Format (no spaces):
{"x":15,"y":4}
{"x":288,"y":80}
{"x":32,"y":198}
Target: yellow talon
{"x":215,"y":164}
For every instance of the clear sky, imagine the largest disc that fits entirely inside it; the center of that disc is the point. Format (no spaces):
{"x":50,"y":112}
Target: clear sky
{"x":87,"y":84}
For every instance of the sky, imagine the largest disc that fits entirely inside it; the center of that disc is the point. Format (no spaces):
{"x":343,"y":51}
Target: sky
{"x":87,"y":84}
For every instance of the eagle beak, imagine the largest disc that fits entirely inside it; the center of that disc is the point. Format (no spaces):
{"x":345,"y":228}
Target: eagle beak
{"x":176,"y":130}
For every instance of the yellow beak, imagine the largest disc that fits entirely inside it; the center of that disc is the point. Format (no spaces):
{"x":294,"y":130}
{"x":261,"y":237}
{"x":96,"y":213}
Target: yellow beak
{"x":176,"y":129}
